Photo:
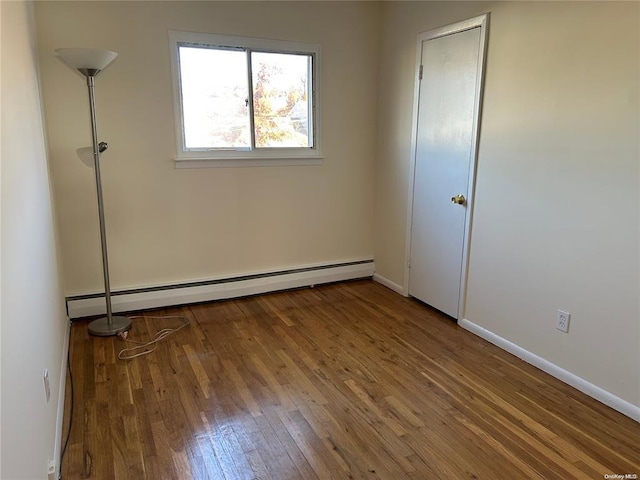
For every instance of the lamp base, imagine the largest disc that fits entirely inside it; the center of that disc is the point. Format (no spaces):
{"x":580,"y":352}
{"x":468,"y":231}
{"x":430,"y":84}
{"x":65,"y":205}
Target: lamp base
{"x":100,"y":327}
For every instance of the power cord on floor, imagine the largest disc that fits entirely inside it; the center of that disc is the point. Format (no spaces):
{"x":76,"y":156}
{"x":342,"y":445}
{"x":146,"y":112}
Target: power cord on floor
{"x":144,"y":348}
{"x":66,"y":442}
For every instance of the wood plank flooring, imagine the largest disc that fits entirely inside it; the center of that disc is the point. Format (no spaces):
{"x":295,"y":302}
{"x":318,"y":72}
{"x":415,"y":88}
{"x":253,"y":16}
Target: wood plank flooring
{"x":343,"y":381}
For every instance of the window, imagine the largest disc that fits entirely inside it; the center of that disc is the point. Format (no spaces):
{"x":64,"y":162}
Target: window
{"x":244,"y":101}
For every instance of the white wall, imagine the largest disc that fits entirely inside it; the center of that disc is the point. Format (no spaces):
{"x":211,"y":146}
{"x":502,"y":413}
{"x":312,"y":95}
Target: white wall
{"x":34,"y":324}
{"x":166,"y":225}
{"x":557,"y":215}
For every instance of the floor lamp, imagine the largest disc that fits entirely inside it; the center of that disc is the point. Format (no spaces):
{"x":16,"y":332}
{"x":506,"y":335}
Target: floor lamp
{"x":90,"y":62}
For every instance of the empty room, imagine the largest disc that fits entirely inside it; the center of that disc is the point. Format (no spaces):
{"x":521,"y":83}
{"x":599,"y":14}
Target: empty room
{"x":320,"y":240}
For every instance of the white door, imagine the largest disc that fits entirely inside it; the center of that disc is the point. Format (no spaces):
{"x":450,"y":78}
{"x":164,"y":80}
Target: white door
{"x":445,"y":149}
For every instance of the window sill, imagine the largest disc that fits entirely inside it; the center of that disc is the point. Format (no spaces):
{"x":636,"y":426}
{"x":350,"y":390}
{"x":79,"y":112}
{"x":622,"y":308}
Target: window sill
{"x":226,"y":162}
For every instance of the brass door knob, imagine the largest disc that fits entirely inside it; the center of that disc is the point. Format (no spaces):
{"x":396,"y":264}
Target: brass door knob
{"x":459,"y":199}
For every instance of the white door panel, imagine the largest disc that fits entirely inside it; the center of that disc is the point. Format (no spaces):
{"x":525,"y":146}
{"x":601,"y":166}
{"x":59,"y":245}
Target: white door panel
{"x":445,"y":140}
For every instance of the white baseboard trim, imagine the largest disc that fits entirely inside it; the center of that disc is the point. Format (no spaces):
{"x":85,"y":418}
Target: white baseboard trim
{"x":617,"y":403}
{"x":57,"y":447}
{"x":389,"y":284}
{"x":217,"y":289}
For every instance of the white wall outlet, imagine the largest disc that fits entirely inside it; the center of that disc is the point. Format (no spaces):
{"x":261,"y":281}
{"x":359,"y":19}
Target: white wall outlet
{"x":562,"y":323}
{"x":47,"y":386}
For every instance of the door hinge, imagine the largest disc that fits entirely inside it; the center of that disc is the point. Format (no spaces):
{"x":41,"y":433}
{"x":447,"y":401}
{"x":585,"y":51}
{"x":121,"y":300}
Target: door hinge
{"x":409,"y":262}
{"x":420,"y":73}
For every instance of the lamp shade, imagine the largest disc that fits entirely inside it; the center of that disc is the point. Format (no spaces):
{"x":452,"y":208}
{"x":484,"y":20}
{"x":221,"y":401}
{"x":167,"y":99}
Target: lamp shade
{"x":86,"y":155}
{"x":86,"y":58}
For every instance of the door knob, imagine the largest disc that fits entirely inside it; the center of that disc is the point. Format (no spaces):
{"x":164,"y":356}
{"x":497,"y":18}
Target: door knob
{"x":459,"y":199}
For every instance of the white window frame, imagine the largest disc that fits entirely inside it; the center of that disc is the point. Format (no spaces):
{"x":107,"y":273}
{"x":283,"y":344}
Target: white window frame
{"x":189,"y":158}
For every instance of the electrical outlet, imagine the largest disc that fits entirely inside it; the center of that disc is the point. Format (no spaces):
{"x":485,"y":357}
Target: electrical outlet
{"x":563,"y":321}
{"x":47,"y":386}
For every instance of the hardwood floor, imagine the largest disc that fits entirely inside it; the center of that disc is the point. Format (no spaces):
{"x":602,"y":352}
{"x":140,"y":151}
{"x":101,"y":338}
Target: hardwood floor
{"x":341,"y":381}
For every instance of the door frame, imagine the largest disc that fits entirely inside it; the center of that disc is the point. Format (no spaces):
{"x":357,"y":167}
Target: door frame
{"x":481,"y":21}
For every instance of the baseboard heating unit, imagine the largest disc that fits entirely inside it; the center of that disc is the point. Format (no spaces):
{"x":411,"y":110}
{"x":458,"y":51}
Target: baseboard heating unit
{"x":135,"y":299}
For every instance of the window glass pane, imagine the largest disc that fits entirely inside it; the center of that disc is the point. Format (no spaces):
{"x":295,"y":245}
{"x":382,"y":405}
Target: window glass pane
{"x":282,"y":113}
{"x":214,"y":98}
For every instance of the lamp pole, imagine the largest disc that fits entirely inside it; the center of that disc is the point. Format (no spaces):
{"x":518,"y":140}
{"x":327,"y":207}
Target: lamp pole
{"x":101,"y":327}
